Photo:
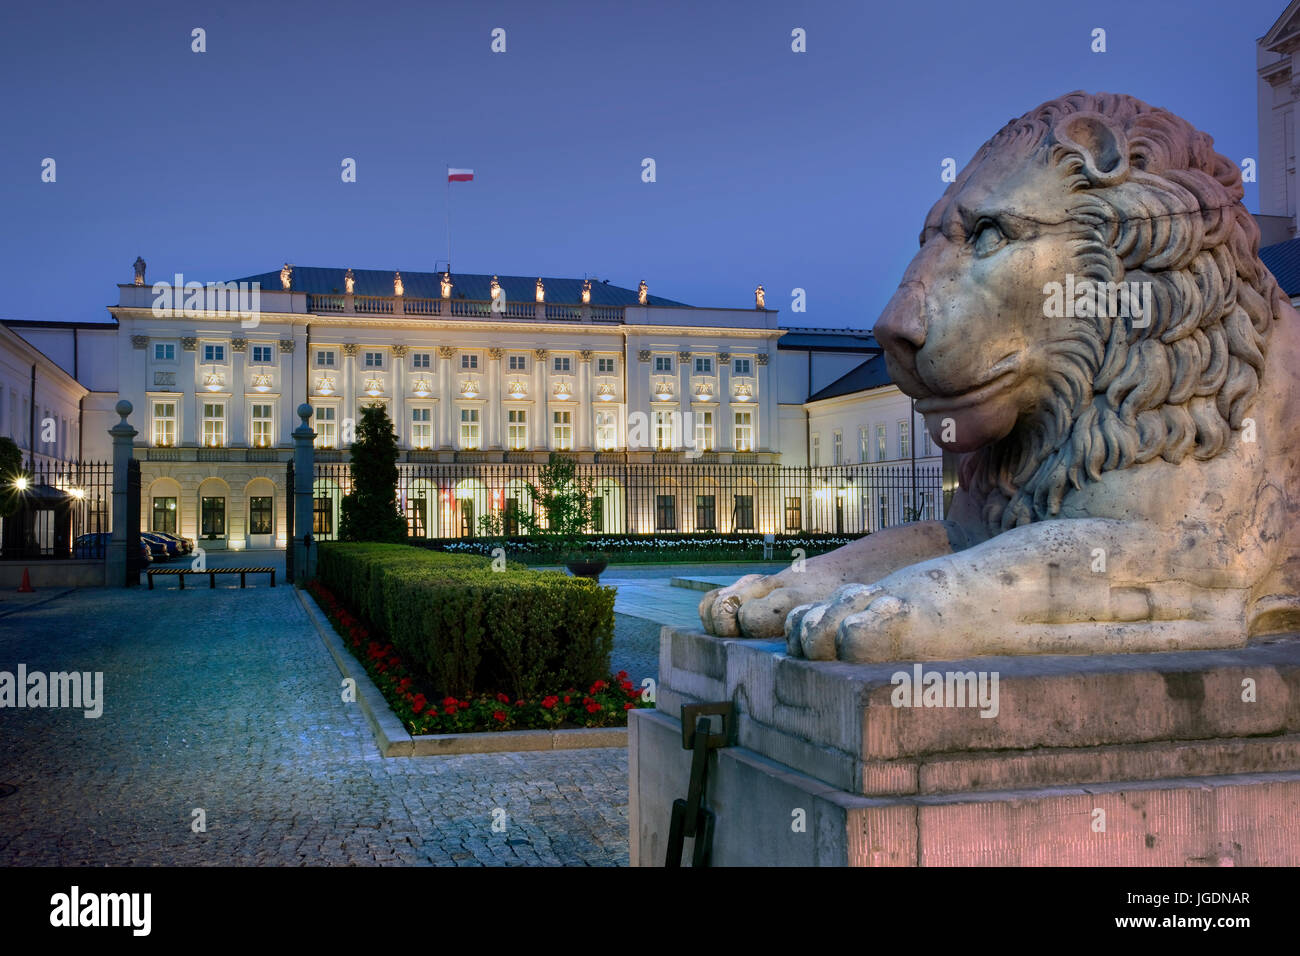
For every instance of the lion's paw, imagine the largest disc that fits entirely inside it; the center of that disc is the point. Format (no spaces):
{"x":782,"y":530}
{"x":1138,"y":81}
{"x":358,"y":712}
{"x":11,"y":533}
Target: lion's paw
{"x":811,"y":629}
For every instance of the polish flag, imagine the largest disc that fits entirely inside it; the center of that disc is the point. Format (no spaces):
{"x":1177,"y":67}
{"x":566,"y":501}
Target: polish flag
{"x":460,"y":175}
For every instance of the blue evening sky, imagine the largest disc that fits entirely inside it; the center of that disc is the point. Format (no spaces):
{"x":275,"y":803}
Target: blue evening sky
{"x":811,"y":170}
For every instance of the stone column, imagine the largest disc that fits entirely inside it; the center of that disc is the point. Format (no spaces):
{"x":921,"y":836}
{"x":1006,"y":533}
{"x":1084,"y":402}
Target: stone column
{"x":492,"y":410}
{"x":445,"y":423}
{"x":541,"y":389}
{"x":304,"y":475}
{"x":349,"y":390}
{"x":721,"y":432}
{"x":584,"y":438}
{"x":295,"y":380}
{"x":401,"y":421}
{"x":765,"y":419}
{"x":684,"y":398}
{"x":189,"y":388}
{"x":238,"y":437}
{"x":123,"y":437}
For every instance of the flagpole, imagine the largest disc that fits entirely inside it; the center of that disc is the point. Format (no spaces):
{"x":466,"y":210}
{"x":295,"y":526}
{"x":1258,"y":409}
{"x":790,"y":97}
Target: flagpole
{"x":448,"y":219}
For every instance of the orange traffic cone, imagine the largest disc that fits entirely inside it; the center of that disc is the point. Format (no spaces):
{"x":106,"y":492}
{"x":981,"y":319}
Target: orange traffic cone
{"x":26,"y":586}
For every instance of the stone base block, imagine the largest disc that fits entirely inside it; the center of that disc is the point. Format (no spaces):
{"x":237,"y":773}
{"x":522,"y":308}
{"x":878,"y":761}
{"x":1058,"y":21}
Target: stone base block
{"x":1177,"y":759}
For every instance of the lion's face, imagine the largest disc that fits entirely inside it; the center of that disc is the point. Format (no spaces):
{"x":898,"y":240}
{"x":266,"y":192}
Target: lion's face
{"x":965,"y":334}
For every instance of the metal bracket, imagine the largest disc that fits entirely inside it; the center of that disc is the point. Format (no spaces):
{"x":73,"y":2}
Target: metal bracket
{"x":690,"y":817}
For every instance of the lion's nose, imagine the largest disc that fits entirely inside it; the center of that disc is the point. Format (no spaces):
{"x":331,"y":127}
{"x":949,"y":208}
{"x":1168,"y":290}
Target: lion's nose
{"x":901,"y":327}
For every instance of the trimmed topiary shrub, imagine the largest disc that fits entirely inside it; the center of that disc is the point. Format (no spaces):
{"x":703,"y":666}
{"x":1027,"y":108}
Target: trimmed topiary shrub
{"x":472,"y":629}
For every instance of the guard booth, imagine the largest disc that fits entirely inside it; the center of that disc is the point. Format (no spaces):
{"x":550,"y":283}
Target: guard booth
{"x":41,"y":527}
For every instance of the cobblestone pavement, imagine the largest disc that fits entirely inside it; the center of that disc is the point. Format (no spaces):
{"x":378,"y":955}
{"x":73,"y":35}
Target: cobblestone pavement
{"x":225,"y":700}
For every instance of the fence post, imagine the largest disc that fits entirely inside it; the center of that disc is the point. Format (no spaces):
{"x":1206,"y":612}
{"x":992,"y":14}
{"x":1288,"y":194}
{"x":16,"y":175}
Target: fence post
{"x":123,"y":435}
{"x":304,"y":473}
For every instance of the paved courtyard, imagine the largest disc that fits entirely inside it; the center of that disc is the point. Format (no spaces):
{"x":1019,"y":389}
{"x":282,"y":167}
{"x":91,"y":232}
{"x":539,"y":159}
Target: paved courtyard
{"x":225,"y":701}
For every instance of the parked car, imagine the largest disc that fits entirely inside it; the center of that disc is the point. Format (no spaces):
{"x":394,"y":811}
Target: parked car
{"x":161,"y":545}
{"x":94,"y":545}
{"x":145,"y":552}
{"x":186,"y":544}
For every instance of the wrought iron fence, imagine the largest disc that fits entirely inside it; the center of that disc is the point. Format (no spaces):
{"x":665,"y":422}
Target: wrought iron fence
{"x":61,"y":510}
{"x":449,"y":500}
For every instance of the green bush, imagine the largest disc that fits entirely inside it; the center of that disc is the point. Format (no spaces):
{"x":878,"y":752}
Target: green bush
{"x":471,"y":629}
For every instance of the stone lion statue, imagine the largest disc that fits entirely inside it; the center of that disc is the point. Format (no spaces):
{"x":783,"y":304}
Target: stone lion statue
{"x":1127,"y":483}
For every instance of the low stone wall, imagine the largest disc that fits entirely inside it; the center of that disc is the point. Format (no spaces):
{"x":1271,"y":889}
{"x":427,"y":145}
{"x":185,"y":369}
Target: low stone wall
{"x":53,"y":574}
{"x":1186,"y":758}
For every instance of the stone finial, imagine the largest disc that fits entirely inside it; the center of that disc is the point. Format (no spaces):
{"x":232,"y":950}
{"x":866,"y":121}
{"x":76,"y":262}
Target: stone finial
{"x":189,"y":342}
{"x":585,"y":355}
{"x":446,"y":285}
{"x":304,"y":412}
{"x":643,"y":293}
{"x":238,"y":345}
{"x":351,"y":349}
{"x":540,"y":354}
{"x":495,"y":353}
{"x":446,"y":352}
{"x":139,"y":341}
{"x":400,"y":351}
{"x":286,"y":276}
{"x":761,"y":358}
{"x":643,"y":355}
{"x":286,"y":345}
{"x":684,"y":356}
{"x":398,"y":288}
{"x":349,"y":282}
{"x":724,"y":358}
{"x":541,"y":291}
{"x":586,"y":292}
{"x":123,"y":409}
{"x":760,"y":298}
{"x":139,"y":266}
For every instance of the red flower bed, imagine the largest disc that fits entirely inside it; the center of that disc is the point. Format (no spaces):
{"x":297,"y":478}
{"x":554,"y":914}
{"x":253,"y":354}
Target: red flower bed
{"x":604,"y":704}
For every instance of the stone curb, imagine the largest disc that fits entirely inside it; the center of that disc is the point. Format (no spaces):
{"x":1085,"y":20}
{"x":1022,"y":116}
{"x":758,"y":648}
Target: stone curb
{"x":694,"y":584}
{"x":393,"y":739}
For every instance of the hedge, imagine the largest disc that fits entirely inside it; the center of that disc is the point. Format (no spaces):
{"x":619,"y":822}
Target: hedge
{"x":652,"y":548}
{"x":471,"y":629}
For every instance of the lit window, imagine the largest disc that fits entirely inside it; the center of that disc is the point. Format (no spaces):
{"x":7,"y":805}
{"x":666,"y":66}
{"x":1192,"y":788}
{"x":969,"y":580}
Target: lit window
{"x":421,"y":428}
{"x":881,"y":448}
{"x":326,"y":426}
{"x":562,"y":430}
{"x":262,"y":418}
{"x":864,"y":446}
{"x":664,"y":431}
{"x":904,"y":440}
{"x":470,"y":433}
{"x":164,"y":424}
{"x":606,"y":431}
{"x":744,"y":431}
{"x":517,"y":429}
{"x":704,"y":431}
{"x":214,"y":424}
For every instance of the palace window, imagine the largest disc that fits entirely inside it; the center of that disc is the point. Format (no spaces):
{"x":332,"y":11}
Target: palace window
{"x":164,"y":515}
{"x":881,"y":449}
{"x":325,"y":358}
{"x":904,"y":440}
{"x":259,"y":515}
{"x":704,"y":366}
{"x":212,"y":513}
{"x":605,"y":366}
{"x":744,"y":431}
{"x":815,"y":451}
{"x":421,"y":427}
{"x":663,"y":431}
{"x":262,"y":354}
{"x":665,"y":513}
{"x":327,"y":435}
{"x":470,"y":430}
{"x":517,"y":429}
{"x":704,"y":431}
{"x":864,"y":445}
{"x":706,"y":513}
{"x":164,"y":424}
{"x":214,"y":353}
{"x":562,"y":430}
{"x":468,"y":362}
{"x":322,"y":515}
{"x":742,"y":515}
{"x":663,"y":363}
{"x":421,"y":359}
{"x":563,"y":364}
{"x":837,"y":448}
{"x":519,"y":363}
{"x":742,"y":366}
{"x":606,"y":431}
{"x":164,"y":352}
{"x":793,"y":513}
{"x":374,"y":360}
{"x":262,"y":419}
{"x":214,"y":424}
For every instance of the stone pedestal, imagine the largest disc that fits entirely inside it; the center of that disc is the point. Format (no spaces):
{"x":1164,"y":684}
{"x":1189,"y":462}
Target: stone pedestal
{"x":1174,"y":759}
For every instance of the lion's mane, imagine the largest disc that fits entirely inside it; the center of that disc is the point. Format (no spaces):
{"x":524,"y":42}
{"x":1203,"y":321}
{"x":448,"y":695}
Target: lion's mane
{"x":1122,"y":396}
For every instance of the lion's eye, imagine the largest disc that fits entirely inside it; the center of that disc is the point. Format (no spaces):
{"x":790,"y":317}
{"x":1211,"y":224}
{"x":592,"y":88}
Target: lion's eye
{"x":987,"y":238}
